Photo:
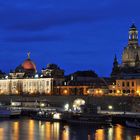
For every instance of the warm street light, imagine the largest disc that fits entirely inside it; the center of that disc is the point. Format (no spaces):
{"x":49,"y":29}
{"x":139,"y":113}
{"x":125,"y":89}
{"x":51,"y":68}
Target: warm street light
{"x":110,"y":107}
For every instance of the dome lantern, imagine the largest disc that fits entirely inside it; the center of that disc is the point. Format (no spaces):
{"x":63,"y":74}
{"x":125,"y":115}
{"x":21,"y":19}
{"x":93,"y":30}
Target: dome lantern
{"x":133,"y":35}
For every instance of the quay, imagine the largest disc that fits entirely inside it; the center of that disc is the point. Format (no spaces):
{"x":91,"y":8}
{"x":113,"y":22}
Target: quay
{"x":117,"y":103}
{"x":119,"y":108}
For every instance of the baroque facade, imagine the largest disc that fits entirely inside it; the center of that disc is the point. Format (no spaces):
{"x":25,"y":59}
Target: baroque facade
{"x":127,"y":74}
{"x":26,"y":86}
{"x":130,"y":66}
{"x":25,"y":80}
{"x":126,"y":87}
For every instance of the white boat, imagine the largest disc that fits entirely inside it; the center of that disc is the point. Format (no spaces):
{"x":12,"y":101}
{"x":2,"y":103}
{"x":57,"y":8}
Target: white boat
{"x":15,"y":112}
{"x":9,"y":112}
{"x":134,"y":124}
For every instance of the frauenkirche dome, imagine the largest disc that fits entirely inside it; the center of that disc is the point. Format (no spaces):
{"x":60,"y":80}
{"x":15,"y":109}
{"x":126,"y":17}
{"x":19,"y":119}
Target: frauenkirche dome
{"x":130,"y":65}
{"x":131,"y":52}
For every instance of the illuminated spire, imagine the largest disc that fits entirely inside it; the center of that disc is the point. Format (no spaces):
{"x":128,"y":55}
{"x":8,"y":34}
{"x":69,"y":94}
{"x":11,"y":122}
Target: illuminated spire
{"x":133,"y":35}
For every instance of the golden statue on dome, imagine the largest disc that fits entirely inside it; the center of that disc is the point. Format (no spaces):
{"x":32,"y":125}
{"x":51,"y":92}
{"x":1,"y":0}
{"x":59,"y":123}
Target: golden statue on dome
{"x":28,"y":54}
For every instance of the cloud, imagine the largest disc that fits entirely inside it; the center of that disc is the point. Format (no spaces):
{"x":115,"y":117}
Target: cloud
{"x":81,"y":52}
{"x":34,"y":16}
{"x":35,"y":38}
{"x":45,"y":18}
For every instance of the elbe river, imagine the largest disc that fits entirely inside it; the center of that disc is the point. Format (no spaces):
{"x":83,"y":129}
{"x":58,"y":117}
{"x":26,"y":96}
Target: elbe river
{"x":28,"y":129}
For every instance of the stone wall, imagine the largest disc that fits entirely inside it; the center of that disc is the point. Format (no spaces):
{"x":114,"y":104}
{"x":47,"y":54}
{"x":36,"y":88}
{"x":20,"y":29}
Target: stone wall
{"x":123,"y":103}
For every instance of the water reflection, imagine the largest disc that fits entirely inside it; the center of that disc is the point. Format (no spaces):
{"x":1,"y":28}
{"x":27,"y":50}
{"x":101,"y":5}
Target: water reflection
{"x":31,"y":130}
{"x":99,"y":135}
{"x":1,"y":134}
{"x":65,"y":133}
{"x":27,"y":129}
{"x":137,"y":137}
{"x":15,"y":131}
{"x":118,"y":132}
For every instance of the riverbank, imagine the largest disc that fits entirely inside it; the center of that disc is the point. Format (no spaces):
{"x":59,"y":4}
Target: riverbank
{"x":118,"y":103}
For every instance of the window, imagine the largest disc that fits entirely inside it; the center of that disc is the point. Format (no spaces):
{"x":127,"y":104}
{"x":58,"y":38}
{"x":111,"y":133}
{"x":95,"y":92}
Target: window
{"x":47,"y":83}
{"x":124,"y":91}
{"x":132,"y":84}
{"x":127,"y":84}
{"x":128,"y":91}
{"x":118,"y":84}
{"x":123,"y":84}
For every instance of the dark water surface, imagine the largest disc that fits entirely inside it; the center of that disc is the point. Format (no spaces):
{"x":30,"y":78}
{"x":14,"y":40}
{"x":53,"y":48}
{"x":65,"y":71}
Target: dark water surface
{"x":28,"y":129}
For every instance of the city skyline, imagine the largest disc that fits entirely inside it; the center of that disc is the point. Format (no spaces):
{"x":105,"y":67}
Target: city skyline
{"x":72,"y":34}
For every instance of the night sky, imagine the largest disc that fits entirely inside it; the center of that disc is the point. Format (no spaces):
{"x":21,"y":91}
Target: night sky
{"x":75,"y":34}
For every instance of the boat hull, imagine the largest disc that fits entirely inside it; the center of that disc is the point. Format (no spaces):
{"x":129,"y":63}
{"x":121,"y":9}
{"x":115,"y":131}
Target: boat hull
{"x":6,"y":112}
{"x":133,"y":124}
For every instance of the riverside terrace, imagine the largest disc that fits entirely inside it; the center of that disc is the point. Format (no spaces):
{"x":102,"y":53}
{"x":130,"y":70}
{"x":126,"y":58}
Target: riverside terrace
{"x":104,"y":102}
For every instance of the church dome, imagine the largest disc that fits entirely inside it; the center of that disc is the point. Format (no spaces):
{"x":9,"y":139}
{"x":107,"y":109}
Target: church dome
{"x":132,"y":50}
{"x":28,"y":64}
{"x":129,"y":55}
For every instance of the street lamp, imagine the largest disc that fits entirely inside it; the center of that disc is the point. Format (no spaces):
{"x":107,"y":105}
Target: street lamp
{"x":110,"y":107}
{"x":66,"y":107}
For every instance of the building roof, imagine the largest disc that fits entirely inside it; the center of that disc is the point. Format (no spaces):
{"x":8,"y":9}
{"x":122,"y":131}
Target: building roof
{"x":28,"y":64}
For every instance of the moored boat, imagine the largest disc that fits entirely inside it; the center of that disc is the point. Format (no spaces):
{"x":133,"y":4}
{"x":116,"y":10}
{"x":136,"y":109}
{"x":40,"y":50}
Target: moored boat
{"x":6,"y":112}
{"x":47,"y":116}
{"x":133,"y":124}
{"x":90,"y":119}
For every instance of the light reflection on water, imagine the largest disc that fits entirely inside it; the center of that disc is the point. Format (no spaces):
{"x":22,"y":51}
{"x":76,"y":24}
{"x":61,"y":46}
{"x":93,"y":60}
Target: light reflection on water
{"x":27,"y":129}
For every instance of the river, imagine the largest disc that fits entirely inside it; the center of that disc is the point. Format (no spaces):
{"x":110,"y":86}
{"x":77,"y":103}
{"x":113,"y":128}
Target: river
{"x":28,"y":129}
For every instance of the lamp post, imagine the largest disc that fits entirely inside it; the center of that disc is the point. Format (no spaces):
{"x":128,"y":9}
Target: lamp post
{"x":110,"y":108}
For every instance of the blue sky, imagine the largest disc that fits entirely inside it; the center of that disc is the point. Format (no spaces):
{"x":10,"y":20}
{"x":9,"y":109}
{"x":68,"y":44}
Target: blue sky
{"x":75,"y":34}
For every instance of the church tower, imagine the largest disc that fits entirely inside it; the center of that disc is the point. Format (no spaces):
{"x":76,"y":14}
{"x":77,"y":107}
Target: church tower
{"x":132,"y":49}
{"x":133,"y":36}
{"x":130,"y":65}
{"x":115,"y":68}
{"x":115,"y":63}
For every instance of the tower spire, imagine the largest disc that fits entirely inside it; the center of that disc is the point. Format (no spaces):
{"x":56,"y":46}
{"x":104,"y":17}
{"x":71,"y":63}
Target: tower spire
{"x":115,"y":63}
{"x":133,"y":35}
{"x":115,"y":68}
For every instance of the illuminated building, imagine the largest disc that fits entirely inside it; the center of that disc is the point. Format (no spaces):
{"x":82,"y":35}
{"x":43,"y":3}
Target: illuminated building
{"x":25,"y":80}
{"x":127,"y":74}
{"x":53,"y":71}
{"x":126,"y":87}
{"x":82,"y":83}
{"x":130,"y":66}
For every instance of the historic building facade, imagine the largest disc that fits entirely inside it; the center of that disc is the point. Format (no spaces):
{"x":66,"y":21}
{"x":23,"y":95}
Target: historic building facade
{"x":130,"y":66}
{"x":126,"y":87}
{"x":127,"y":74}
{"x":25,"y":80}
{"x":82,"y":83}
{"x":26,"y":86}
